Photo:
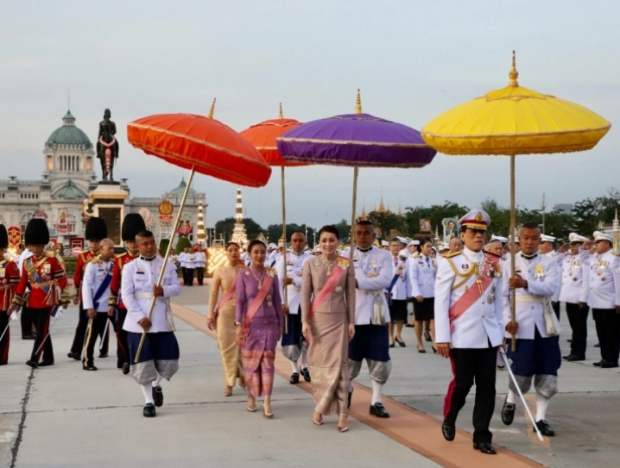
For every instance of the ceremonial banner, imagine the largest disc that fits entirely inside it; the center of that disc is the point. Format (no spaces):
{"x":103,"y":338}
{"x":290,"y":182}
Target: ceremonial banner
{"x":15,"y":237}
{"x":165,"y":213}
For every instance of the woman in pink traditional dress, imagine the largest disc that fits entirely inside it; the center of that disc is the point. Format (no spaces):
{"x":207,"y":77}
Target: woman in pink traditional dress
{"x":328,"y":323}
{"x":260,"y":322}
{"x":221,"y":317}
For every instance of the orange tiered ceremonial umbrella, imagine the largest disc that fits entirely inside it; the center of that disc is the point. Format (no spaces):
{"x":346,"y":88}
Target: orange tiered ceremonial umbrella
{"x":201,"y":144}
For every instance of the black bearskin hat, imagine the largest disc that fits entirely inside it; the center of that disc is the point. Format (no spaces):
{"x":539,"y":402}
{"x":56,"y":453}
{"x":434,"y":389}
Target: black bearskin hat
{"x":4,"y":237}
{"x":96,"y":229}
{"x":132,"y":225}
{"x":37,"y":232}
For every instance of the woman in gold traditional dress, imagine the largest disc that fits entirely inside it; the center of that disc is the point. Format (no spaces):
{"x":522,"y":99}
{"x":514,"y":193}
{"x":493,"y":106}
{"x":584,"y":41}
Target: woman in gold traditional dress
{"x":224,"y":278}
{"x":328,"y":323}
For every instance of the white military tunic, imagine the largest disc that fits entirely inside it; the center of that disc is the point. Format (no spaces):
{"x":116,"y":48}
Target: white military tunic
{"x":94,"y":276}
{"x":482,"y":321}
{"x":401,"y":289}
{"x":541,"y":274}
{"x":373,"y":273}
{"x":572,"y":276}
{"x":422,"y":273}
{"x":139,"y":278}
{"x":294,"y":269}
{"x":599,"y":285}
{"x":556,"y":258}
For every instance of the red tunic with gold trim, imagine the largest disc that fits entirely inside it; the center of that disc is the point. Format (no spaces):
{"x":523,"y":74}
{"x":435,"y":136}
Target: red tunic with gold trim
{"x":47,"y":279}
{"x":9,"y":279}
{"x":80,"y":267}
{"x":115,"y":286}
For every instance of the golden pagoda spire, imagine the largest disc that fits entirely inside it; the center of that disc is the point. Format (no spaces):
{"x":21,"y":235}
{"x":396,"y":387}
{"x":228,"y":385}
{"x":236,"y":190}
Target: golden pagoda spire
{"x":212,"y":110}
{"x":400,"y":211}
{"x":281,"y":113}
{"x":358,"y":102}
{"x":381,"y":205}
{"x":514,"y":74}
{"x":364,"y":215}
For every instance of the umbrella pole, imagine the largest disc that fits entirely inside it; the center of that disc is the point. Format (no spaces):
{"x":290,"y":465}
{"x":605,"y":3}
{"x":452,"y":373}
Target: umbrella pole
{"x":513,"y":249}
{"x":285,"y":287}
{"x":353,"y":208}
{"x":168,"y":250}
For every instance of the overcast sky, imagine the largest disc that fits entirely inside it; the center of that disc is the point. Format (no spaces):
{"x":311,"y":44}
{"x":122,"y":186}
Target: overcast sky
{"x":412,"y":59}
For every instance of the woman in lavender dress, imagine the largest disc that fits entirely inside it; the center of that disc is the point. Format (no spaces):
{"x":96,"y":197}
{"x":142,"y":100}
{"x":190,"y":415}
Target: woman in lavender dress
{"x":260,"y":322}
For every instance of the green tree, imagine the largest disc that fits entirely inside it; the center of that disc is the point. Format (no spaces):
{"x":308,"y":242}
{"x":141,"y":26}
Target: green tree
{"x":436,"y":213}
{"x":387,"y":221}
{"x":163,"y":246}
{"x":181,"y":244}
{"x":226,"y":226}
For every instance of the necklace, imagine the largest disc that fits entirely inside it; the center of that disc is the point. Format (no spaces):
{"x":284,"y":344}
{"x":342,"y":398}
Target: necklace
{"x":259,"y":280}
{"x":329,"y":264}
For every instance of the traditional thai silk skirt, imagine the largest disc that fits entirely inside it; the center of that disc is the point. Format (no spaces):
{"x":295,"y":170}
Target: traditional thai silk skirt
{"x":229,"y":349}
{"x":160,"y":354}
{"x":259,"y":354}
{"x":328,"y":361}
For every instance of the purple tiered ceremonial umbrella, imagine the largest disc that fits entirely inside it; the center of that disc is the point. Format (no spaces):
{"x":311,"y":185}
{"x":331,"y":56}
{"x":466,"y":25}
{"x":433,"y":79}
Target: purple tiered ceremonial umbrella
{"x":356,"y":140}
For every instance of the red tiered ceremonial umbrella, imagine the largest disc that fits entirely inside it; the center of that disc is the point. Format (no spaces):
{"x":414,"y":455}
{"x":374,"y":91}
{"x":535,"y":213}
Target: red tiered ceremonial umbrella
{"x":263,"y":136}
{"x":201,"y":144}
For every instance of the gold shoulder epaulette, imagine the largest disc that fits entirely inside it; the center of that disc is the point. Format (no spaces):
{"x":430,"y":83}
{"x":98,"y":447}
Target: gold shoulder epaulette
{"x":95,"y":259}
{"x":271,"y":272}
{"x":450,"y":254}
{"x":121,"y":255}
{"x":344,"y":262}
{"x":50,"y":254}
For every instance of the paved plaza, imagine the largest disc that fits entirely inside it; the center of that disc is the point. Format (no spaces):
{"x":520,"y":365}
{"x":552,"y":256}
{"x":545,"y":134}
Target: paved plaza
{"x":65,"y":417}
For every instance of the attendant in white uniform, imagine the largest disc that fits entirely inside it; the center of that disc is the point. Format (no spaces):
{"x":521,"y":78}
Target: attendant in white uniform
{"x":373,"y":273}
{"x":536,"y":327}
{"x":293,"y":346}
{"x":414,"y":252}
{"x":95,"y":295}
{"x":200,"y":262}
{"x":547,"y":248}
{"x":468,"y":326}
{"x":572,"y":285}
{"x":601,"y":284}
{"x":159,"y":357}
{"x":398,"y":292}
{"x":422,"y":272}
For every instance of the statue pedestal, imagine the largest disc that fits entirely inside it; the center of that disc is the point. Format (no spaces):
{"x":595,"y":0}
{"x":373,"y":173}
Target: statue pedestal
{"x":108,"y":201}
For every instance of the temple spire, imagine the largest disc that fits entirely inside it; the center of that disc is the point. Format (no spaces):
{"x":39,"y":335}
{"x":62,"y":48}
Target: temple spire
{"x":514,"y":74}
{"x":358,"y":102}
{"x":281,"y":112}
{"x":212,"y":110}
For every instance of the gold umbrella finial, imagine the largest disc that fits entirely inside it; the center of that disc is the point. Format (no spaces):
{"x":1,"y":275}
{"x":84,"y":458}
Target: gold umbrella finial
{"x":358,"y":102}
{"x":514,"y":74}
{"x":212,"y":110}
{"x":281,"y":113}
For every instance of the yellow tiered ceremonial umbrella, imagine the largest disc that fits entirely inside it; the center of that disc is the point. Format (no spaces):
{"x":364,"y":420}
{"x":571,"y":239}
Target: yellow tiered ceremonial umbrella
{"x":515,"y":121}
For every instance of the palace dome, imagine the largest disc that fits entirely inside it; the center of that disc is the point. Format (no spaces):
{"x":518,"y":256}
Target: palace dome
{"x":178,"y":191}
{"x":68,"y":134}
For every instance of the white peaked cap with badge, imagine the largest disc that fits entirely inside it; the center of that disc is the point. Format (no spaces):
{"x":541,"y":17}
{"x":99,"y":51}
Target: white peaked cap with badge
{"x":547,"y":238}
{"x":503,"y":240}
{"x":272,"y":246}
{"x":601,"y":236}
{"x":385,"y":243}
{"x":476,"y":219}
{"x":574,"y":237}
{"x":402,"y":240}
{"x":413,"y":242}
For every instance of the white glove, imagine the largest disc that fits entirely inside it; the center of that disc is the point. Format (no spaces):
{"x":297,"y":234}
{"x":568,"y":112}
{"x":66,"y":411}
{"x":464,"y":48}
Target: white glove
{"x":14,"y":316}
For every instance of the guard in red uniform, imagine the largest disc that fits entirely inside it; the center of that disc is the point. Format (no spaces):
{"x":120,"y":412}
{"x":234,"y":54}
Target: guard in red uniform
{"x":132,"y":225}
{"x":47,"y":281}
{"x":9,"y":278}
{"x":96,"y":231}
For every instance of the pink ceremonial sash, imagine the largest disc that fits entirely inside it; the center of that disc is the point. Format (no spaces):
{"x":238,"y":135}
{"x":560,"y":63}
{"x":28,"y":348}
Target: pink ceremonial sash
{"x":472,"y":294}
{"x":225,"y":298}
{"x":255,"y":305}
{"x":327,"y":289}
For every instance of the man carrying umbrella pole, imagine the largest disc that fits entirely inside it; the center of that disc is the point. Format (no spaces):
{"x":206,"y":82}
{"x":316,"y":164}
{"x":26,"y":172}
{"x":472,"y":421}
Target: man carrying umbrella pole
{"x":373,"y":274}
{"x":293,"y":346}
{"x":468,"y":326}
{"x":159,"y":357}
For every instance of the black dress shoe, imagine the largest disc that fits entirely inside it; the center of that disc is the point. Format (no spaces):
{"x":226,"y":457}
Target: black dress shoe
{"x":119,"y":364}
{"x":392,"y":345}
{"x":46,"y":362}
{"x":569,"y":341}
{"x":294,"y":378}
{"x":149,"y":411}
{"x":409,"y":326}
{"x":545,"y":428}
{"x":75,"y":356}
{"x":379,"y":411}
{"x":574,"y":358}
{"x":89,"y":367}
{"x":349,"y":399}
{"x":608,"y":365}
{"x":448,"y":431}
{"x":427,"y":337}
{"x":32,"y":364}
{"x":126,"y":368}
{"x":508,"y":412}
{"x":400,"y":343}
{"x":27,"y":337}
{"x":306,"y":374}
{"x":421,"y":351}
{"x":485,"y":447}
{"x":598,"y":364}
{"x":597,"y":345}
{"x":103,"y":355}
{"x":158,"y":396}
